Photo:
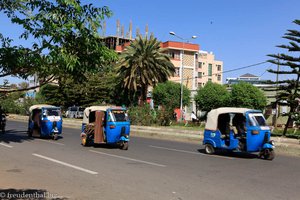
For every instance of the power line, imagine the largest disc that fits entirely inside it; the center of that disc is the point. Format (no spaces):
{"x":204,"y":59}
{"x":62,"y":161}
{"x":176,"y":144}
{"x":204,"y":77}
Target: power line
{"x":232,"y":70}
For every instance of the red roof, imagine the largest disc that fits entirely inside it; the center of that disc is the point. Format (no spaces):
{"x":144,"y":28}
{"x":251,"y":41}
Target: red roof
{"x":180,"y":45}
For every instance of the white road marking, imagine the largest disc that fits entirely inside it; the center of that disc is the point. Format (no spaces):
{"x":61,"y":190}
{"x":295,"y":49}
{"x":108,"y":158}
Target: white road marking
{"x":50,"y":142}
{"x":190,"y":152}
{"x":131,"y":159}
{"x":178,"y":150}
{"x":6,"y":145}
{"x":65,"y":164}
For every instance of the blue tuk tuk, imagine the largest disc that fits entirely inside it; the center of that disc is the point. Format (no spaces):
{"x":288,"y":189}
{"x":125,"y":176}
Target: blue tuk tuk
{"x":238,"y":129}
{"x":105,"y":125}
{"x":44,"y":121}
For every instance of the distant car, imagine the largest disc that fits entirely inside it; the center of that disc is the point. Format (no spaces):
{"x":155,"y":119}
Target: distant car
{"x":75,"y":112}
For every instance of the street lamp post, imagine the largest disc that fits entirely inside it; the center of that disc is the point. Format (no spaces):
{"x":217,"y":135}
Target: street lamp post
{"x":181,"y":70}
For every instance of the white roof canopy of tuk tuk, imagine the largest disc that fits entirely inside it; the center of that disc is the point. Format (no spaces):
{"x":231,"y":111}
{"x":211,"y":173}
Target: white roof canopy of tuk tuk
{"x":90,"y":109}
{"x":40,"y":106}
{"x":212,"y":116}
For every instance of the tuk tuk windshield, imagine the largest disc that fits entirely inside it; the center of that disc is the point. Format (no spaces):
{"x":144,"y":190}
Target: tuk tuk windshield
{"x":118,"y":116}
{"x":53,"y":112}
{"x":257,"y":119}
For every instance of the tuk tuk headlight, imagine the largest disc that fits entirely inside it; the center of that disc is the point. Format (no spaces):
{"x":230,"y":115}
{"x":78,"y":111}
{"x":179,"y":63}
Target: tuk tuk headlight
{"x":272,"y":142}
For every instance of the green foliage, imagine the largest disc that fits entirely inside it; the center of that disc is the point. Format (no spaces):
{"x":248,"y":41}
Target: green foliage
{"x":98,"y":88}
{"x":65,"y":39}
{"x":17,"y":104}
{"x":165,"y":116}
{"x":142,"y":115}
{"x":211,"y":96}
{"x":51,"y":95}
{"x":288,"y":91}
{"x":168,"y":95}
{"x":144,"y":64}
{"x":248,"y":96}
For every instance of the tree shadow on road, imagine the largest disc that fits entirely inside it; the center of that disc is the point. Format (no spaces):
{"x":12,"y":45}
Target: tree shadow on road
{"x":225,"y":153}
{"x":14,"y":136}
{"x":32,"y":194}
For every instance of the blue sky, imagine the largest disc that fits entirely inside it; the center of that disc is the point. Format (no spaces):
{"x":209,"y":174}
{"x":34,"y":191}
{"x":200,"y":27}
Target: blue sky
{"x":238,"y":32}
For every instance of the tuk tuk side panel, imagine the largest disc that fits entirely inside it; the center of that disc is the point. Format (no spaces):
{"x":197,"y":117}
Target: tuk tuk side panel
{"x":30,"y":124}
{"x":114,"y":130}
{"x":83,"y":127}
{"x":213,"y":137}
{"x":255,"y":142}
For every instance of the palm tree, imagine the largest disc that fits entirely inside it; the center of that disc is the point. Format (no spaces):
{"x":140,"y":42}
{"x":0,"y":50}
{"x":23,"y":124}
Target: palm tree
{"x":143,"y":64}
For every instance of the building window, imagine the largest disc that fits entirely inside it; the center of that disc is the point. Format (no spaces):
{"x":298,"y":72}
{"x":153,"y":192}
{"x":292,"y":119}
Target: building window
{"x":199,"y":74}
{"x":219,"y":77}
{"x":209,"y":69}
{"x":199,"y":65}
{"x":199,"y":85}
{"x":219,"y":67}
{"x":176,"y":71}
{"x":174,"y":54}
{"x":209,"y":80}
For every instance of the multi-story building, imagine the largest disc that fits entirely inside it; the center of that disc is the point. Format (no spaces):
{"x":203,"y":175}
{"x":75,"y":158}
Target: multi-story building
{"x":208,"y":69}
{"x":184,"y":56}
{"x":198,"y":67}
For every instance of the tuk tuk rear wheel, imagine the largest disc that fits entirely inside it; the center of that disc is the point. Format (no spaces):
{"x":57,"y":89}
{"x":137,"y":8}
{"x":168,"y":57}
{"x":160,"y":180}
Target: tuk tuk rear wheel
{"x":209,"y":149}
{"x":29,"y":132}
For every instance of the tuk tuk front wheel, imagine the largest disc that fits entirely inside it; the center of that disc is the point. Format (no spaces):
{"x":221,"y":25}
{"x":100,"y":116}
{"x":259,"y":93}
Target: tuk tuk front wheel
{"x":124,"y":146}
{"x":269,"y":154}
{"x":84,"y":141}
{"x":55,"y":137}
{"x":209,"y":149}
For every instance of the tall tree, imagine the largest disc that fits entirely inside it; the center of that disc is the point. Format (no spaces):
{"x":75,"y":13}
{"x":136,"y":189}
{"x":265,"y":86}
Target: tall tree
{"x":247,"y":95}
{"x":211,"y":96}
{"x":288,"y":90}
{"x":144,"y":64}
{"x":168,"y":95}
{"x":65,"y":39}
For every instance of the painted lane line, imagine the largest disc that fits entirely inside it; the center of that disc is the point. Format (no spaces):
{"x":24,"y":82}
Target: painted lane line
{"x":6,"y":145}
{"x":127,"y":158}
{"x":190,"y":152}
{"x":65,"y":164}
{"x":51,"y":142}
{"x":177,"y":150}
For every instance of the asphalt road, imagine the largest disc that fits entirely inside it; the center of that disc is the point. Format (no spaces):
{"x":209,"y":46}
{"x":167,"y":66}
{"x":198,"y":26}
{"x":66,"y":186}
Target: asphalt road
{"x":150,"y":169}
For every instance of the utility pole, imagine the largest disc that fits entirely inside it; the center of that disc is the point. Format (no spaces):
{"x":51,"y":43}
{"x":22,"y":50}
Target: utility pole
{"x":277,"y":108}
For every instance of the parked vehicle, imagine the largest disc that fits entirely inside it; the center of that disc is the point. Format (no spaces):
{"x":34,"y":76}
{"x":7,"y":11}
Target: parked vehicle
{"x":105,"y":125}
{"x":3,"y":123}
{"x":74,"y":112}
{"x":44,"y":121}
{"x":238,"y":129}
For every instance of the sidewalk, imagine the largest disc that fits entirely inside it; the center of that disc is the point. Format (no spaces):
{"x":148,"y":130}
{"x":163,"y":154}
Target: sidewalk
{"x":171,"y":133}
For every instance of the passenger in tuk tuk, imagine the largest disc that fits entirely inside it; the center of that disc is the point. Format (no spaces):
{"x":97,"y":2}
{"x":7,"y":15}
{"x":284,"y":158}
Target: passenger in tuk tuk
{"x":239,"y":122}
{"x":224,"y":126}
{"x":37,"y":119}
